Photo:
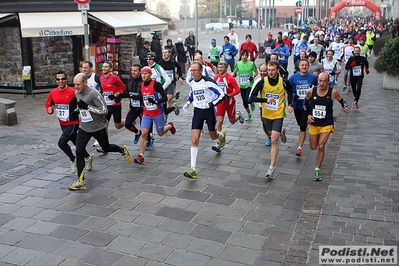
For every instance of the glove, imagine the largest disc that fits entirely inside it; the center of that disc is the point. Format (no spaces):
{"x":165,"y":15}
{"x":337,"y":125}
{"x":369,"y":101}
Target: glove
{"x":118,"y":98}
{"x":226,"y":96}
{"x":231,"y":54}
{"x":209,"y":57}
{"x":185,"y":107}
{"x":134,"y":95}
{"x":367,"y":71}
{"x":234,"y":74}
{"x":211,"y":105}
{"x":290,"y":53}
{"x":74,"y":115}
{"x":296,"y":97}
{"x":83,"y":105}
{"x":151,"y":100}
{"x":251,"y":79}
{"x":111,"y":97}
{"x":353,"y":63}
{"x":332,"y":73}
{"x":216,"y":57}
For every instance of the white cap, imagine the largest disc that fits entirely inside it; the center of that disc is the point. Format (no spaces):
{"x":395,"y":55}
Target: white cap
{"x":285,"y":34}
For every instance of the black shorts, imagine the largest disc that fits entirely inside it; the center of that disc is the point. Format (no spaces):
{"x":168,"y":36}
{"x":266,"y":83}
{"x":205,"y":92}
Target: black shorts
{"x":273,"y":125}
{"x":202,"y":115}
{"x":301,"y":117}
{"x":115,"y":111}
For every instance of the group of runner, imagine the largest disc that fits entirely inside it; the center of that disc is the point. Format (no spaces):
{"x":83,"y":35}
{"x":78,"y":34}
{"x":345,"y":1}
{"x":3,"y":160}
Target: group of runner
{"x":86,"y":111}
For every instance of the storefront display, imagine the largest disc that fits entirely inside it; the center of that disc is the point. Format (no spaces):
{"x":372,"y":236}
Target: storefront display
{"x":128,"y":52}
{"x":10,"y":58}
{"x":52,"y":54}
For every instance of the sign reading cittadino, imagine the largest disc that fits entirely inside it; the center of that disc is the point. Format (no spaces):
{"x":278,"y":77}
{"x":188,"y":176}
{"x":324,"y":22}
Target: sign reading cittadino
{"x":60,"y":32}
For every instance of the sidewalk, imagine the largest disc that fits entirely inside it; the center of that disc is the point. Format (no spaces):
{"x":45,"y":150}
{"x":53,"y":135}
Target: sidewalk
{"x":152,"y":215}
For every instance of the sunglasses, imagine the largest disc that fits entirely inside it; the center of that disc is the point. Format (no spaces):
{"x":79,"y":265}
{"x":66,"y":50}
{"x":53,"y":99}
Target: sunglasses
{"x":58,"y":79}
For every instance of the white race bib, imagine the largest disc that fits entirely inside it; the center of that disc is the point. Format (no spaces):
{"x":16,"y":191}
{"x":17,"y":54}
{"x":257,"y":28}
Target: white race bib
{"x":301,"y":90}
{"x":244,"y":79}
{"x":170,"y":74}
{"x":222,"y":85}
{"x":85,"y":116}
{"x":319,"y":111}
{"x":357,"y":71}
{"x":108,"y":101}
{"x":273,"y":105}
{"x":135,"y":103}
{"x":199,"y":96}
{"x":62,"y":111}
{"x":149,"y":106}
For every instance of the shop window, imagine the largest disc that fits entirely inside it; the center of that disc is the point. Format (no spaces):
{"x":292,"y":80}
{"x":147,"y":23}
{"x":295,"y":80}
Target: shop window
{"x":10,"y":58}
{"x":50,"y":55}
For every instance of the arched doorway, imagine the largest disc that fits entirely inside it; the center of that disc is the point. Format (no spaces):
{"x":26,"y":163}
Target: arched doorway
{"x":347,"y":3}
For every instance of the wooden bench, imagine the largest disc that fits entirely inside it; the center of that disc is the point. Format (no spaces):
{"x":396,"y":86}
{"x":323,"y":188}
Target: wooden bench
{"x":7,"y":112}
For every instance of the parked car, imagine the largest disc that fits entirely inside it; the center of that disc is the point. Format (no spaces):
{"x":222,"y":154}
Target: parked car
{"x":245,"y":24}
{"x":216,"y":26}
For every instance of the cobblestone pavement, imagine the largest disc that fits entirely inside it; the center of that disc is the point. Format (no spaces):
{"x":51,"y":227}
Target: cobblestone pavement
{"x":152,"y":215}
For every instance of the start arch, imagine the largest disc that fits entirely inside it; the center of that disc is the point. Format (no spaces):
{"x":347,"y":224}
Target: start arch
{"x":347,"y":3}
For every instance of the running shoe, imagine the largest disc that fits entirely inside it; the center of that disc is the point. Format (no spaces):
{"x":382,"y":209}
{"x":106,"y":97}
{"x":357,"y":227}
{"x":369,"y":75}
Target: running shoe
{"x":344,"y":88}
{"x":126,"y":154}
{"x":355,"y":105}
{"x":317,"y":175}
{"x":268,"y":142}
{"x":172,"y":129}
{"x":335,"y":82}
{"x":240,"y":117}
{"x":95,"y":143}
{"x":298,"y":152}
{"x":74,"y":167}
{"x":222,"y":142}
{"x":137,"y":137}
{"x":78,"y":185}
{"x":139,"y":159}
{"x":349,"y":88}
{"x":216,"y":148}
{"x":252,"y":107}
{"x":150,"y":145}
{"x":100,"y":150}
{"x":177,"y":95}
{"x":177,"y":111}
{"x":248,"y":117}
{"x":191,"y":174}
{"x":283,"y":137}
{"x":90,"y":162}
{"x":270,"y":173}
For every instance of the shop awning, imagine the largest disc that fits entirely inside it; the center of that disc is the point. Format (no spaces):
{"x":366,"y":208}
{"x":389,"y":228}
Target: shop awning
{"x":51,"y":24}
{"x":6,"y":16}
{"x":2,"y":15}
{"x":129,"y":22}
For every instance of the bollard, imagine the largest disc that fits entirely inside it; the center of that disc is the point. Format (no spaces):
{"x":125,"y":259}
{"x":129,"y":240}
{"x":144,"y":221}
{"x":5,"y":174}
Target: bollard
{"x":7,"y":112}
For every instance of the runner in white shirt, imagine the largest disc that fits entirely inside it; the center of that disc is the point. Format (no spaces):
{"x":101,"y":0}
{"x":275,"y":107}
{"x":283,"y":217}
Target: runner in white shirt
{"x":338,"y":47}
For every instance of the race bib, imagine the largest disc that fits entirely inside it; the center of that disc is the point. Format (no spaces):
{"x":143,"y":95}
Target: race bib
{"x":85,"y":116}
{"x":199,"y":96}
{"x":301,"y":90}
{"x":213,"y":57}
{"x":149,"y":106}
{"x":268,"y":50}
{"x":170,"y":74}
{"x":107,"y":100}
{"x":62,"y":111}
{"x":273,"y":105}
{"x":135,"y":103}
{"x":222,"y":85}
{"x":281,"y":57}
{"x":362,"y":54}
{"x":319,"y":111}
{"x":227,"y":56}
{"x":357,"y":71}
{"x":244,"y":79}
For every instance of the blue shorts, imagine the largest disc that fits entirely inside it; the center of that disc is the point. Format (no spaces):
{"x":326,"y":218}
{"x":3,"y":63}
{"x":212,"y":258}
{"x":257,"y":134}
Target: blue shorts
{"x":331,"y":84}
{"x":202,"y":115}
{"x":147,"y":120}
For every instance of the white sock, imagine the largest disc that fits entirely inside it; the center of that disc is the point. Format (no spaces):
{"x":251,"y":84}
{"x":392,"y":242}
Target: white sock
{"x":220,"y":136}
{"x":299,"y":148}
{"x":317,"y":168}
{"x":194,"y":154}
{"x":272,"y":167}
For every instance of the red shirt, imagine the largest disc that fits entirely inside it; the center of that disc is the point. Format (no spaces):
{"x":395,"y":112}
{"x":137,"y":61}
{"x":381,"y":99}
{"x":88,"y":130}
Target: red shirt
{"x":251,"y":48}
{"x":148,"y":91}
{"x":111,"y":85}
{"x":228,"y":84}
{"x":61,"y":100}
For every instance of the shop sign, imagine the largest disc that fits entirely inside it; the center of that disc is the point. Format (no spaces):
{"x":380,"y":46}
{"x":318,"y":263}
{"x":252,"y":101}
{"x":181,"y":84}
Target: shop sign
{"x":60,"y":32}
{"x":26,"y":72}
{"x":144,"y":29}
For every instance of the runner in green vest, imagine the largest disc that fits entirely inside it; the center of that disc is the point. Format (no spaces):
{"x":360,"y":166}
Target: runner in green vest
{"x":214,"y":53}
{"x":247,"y":72}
